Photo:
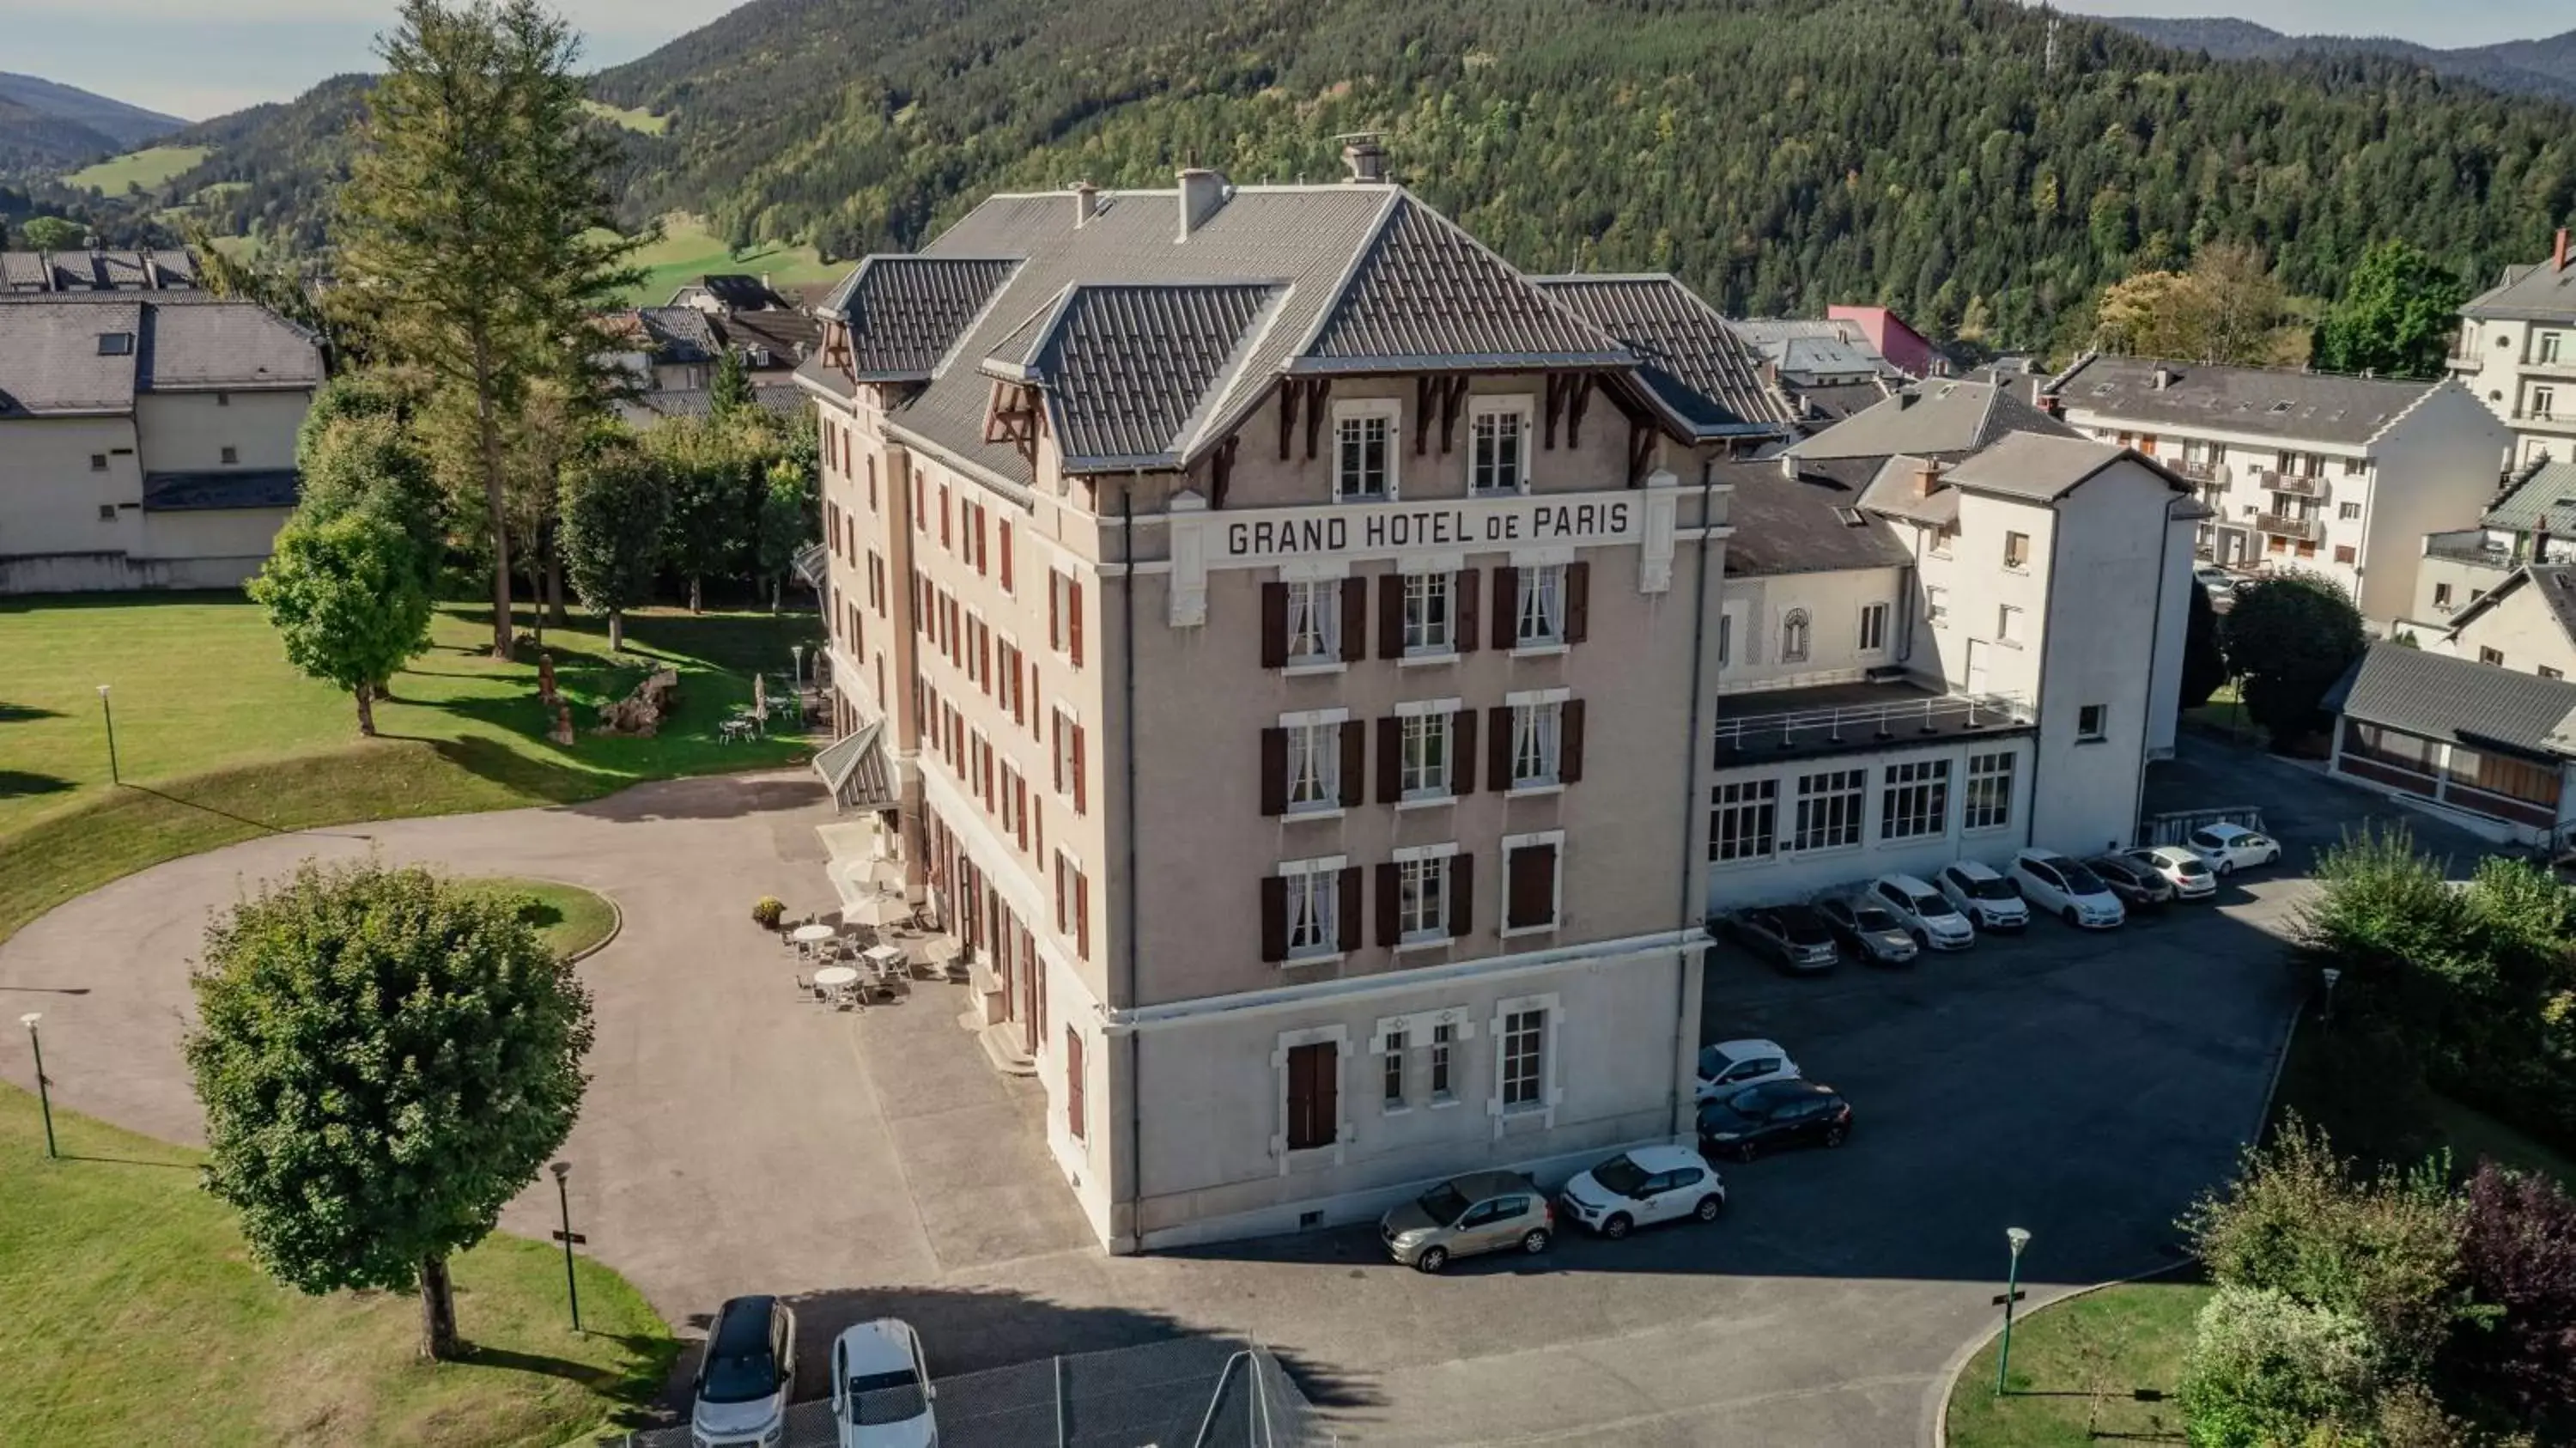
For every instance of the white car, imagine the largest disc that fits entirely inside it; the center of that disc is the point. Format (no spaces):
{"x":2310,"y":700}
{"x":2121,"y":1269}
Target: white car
{"x":2226,"y":847}
{"x":881,"y":1392}
{"x":1640,"y":1187}
{"x":1988,"y":899}
{"x":2217,"y":581}
{"x":1926,"y":913}
{"x":2066,"y":889}
{"x":1731,"y":1066}
{"x":2188,"y":873}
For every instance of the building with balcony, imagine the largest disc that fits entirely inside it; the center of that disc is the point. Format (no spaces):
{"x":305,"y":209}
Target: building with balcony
{"x":2342,"y":476}
{"x":1284,"y":639}
{"x":2488,"y":748}
{"x":2534,"y":521}
{"x":2516,"y":350}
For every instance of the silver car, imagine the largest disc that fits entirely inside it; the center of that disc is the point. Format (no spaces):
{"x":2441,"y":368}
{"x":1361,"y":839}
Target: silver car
{"x":740,"y":1395}
{"x":1483,"y":1211}
{"x":1866,"y":926}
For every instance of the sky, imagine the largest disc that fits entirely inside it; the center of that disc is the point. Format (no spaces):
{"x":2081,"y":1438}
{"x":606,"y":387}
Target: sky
{"x":201,"y":58}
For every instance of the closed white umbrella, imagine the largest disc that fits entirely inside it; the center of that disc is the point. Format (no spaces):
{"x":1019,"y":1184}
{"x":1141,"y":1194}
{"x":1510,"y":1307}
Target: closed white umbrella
{"x":876,"y":910}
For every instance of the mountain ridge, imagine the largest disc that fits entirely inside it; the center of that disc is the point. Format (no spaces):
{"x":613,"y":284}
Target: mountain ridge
{"x":2543,"y":66}
{"x":47,"y":126}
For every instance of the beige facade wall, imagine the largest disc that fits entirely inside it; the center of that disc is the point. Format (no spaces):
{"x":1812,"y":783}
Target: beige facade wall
{"x":2519,"y":631}
{"x":69,"y":486}
{"x":2510,"y":366}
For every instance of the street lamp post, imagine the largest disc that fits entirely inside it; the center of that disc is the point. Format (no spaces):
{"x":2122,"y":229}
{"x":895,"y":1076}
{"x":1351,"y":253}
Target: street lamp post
{"x":44,"y":1095}
{"x":2012,"y":1293}
{"x":108,"y":712}
{"x":2331,"y":974}
{"x":563,"y":1198}
{"x":797,"y":651}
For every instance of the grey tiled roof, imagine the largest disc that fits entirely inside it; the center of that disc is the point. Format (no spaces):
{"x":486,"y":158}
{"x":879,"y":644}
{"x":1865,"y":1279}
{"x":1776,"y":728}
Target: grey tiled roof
{"x":1762,"y":330}
{"x":2529,"y":293}
{"x":906,"y":312}
{"x":1831,"y":402}
{"x":2459,"y":700}
{"x":232,"y":488}
{"x":2556,"y":584}
{"x":1426,"y":294}
{"x":94,"y":271}
{"x":1127,"y":367}
{"x":50,"y":360}
{"x":780,"y":399}
{"x":679,"y":334}
{"x":2270,"y":401}
{"x":1699,"y":369}
{"x":236,"y":346}
{"x":1810,"y":523}
{"x":2031,"y":466}
{"x":2545,"y":498}
{"x":1897,"y":492}
{"x":1931,"y":419}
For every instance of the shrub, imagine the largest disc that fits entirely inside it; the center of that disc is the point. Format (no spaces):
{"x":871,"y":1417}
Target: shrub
{"x":767,"y":911}
{"x":2518,"y":1249}
{"x":2266,"y":1369}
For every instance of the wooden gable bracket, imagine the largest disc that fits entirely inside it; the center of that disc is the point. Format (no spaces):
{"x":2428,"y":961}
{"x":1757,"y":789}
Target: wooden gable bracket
{"x":1289,"y":389}
{"x":1011,"y":416}
{"x":1425,"y":388}
{"x":1317,"y":390}
{"x":1559,"y":386}
{"x":1580,"y":385}
{"x":1641,"y":449}
{"x":1221,"y":470}
{"x":1452,"y":397}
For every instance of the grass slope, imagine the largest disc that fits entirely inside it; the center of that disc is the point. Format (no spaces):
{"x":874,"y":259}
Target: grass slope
{"x":689,"y":250}
{"x":2079,"y":1369}
{"x":641,"y":121}
{"x":570,"y":918}
{"x":147,"y":168}
{"x":160,"y":1330}
{"x":218,"y":740}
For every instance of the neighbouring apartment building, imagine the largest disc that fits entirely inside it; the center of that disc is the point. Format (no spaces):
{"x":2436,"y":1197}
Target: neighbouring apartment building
{"x":2341,"y":476}
{"x":1287,"y":637}
{"x":2516,"y":350}
{"x":146,"y":441}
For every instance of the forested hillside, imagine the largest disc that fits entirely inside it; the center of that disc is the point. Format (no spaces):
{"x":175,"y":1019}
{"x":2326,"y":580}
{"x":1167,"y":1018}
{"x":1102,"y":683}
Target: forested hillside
{"x":2545,"y":67}
{"x":1778,"y":153}
{"x":46,"y":127}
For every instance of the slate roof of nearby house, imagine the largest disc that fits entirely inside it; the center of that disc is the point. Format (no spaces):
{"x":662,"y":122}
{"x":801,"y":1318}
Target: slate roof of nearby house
{"x":1807,"y":523}
{"x":2554,"y":582}
{"x":51,"y":360}
{"x":789,"y":336}
{"x":235,"y":347}
{"x":2544,"y":497}
{"x":1125,"y":368}
{"x":2458,"y":700}
{"x":1896,"y":491}
{"x":230,"y":488}
{"x":1938,"y":418}
{"x":2043,"y":468}
{"x":2270,"y":401}
{"x":780,"y":399}
{"x":96,"y":271}
{"x":1832,"y":402}
{"x":733,"y":291}
{"x":2528,"y":293}
{"x":905,"y":312}
{"x":1698,"y":368}
{"x":54,"y":358}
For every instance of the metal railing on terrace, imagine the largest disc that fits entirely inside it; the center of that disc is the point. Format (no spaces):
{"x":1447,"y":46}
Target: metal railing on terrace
{"x":2467,"y":546}
{"x":2296,"y":485}
{"x":1871,"y":723}
{"x":2290,"y":526}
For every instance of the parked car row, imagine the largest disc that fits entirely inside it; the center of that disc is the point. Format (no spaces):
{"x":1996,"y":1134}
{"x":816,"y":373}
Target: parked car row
{"x":881,"y":1389}
{"x":1893,"y":919}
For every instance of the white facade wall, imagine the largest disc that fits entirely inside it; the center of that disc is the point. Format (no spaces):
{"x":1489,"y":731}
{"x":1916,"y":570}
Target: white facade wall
{"x":2506,"y":363}
{"x":2519,"y":631}
{"x":2438,"y":467}
{"x":69,"y":486}
{"x":1757,"y":610}
{"x":1792,"y":874}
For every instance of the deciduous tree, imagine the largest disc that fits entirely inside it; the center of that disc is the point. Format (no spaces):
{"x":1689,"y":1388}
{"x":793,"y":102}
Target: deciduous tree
{"x":384,"y":1060}
{"x":786,"y":524}
{"x":348,"y":598}
{"x":2204,"y":661}
{"x":472,"y":228}
{"x":52,"y":233}
{"x":2396,"y":316}
{"x":2290,"y":637}
{"x":613,"y":509}
{"x":364,"y":461}
{"x":2518,"y":1247}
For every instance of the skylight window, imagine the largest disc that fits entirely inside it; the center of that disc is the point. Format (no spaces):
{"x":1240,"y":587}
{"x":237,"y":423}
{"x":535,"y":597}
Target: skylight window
{"x":116,"y":344}
{"x":1851,"y":517}
{"x":2280,"y":407}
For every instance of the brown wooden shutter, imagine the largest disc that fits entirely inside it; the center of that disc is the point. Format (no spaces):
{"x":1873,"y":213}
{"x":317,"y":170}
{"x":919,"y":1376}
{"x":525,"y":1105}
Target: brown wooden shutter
{"x":1006,"y":555}
{"x":1073,"y":605}
{"x":1348,"y":907}
{"x":1532,"y":886}
{"x":1507,"y":607}
{"x":1462,"y":596}
{"x":1578,"y":601}
{"x":1390,"y":904}
{"x":1498,"y":748}
{"x":1055,"y":609}
{"x":1056,"y":755}
{"x":1082,"y":915}
{"x":1462,"y":895}
{"x":1354,"y":763}
{"x":1325,"y":1121}
{"x":1301,"y":1097}
{"x":1569,"y":742}
{"x":1020,"y":809}
{"x":1274,"y":625}
{"x":1390,"y":759}
{"x":1462,"y":752}
{"x":1354,"y":620}
{"x":1073,"y":1082}
{"x":1390,"y":615}
{"x":1082,"y":773}
{"x":1274,"y":919}
{"x":1274,"y":771}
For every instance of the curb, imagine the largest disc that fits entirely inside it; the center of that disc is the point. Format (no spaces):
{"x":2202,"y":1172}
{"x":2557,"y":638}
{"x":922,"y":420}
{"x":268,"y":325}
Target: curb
{"x":1935,"y":1432}
{"x":616,"y":916}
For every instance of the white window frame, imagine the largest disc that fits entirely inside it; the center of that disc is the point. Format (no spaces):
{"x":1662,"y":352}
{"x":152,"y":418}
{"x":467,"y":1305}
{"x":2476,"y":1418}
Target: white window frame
{"x":2012,"y":564}
{"x":1549,"y":1093}
{"x":1442,"y":1062}
{"x":1556,"y":904}
{"x":1317,"y":884}
{"x":1315,"y":755}
{"x":1873,"y":627}
{"x":1395,"y":1095}
{"x":1421,"y":587}
{"x":1422,"y":894}
{"x":1420,"y":720}
{"x":1523,"y":410}
{"x":1432,"y":1032}
{"x":1314,"y":614}
{"x":1538,"y":608}
{"x":1923,"y":787}
{"x":2008,"y":624}
{"x":2347,"y":512}
{"x":1977,"y":814}
{"x":1743,"y":799}
{"x":1542,"y":710}
{"x":1936,"y":604}
{"x":1797,"y":636}
{"x":1359,"y":411}
{"x":1068,"y":763}
{"x":1841,"y":808}
{"x":2101,"y":727}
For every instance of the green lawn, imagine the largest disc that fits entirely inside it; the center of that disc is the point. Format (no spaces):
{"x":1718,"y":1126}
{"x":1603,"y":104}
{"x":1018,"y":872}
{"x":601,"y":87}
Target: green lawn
{"x":2352,"y":1082}
{"x":571,"y":918}
{"x":689,"y":250}
{"x":2102,"y":1366}
{"x":146,"y":168}
{"x":130,"y":1313}
{"x":218,"y":740}
{"x":637,"y":119}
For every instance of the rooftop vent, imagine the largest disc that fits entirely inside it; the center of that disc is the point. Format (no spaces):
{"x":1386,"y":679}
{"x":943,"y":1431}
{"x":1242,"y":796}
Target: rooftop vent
{"x":1364,"y":157}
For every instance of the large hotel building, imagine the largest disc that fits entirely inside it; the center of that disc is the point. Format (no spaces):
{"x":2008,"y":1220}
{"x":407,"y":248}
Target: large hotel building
{"x":1286,"y":642}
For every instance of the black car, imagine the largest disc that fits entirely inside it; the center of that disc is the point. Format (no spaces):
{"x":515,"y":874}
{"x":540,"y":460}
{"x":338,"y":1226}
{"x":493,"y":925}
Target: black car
{"x":1795,"y":937}
{"x":1773,"y":1115}
{"x":2138,"y":887}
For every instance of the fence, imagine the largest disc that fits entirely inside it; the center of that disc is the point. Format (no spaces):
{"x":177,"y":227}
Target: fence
{"x":2169,"y":829}
{"x":1186,"y":1393}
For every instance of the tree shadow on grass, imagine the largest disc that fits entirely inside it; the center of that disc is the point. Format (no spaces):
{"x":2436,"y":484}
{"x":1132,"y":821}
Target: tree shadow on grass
{"x":21,"y":713}
{"x":633,"y":1383}
{"x":15,"y":783}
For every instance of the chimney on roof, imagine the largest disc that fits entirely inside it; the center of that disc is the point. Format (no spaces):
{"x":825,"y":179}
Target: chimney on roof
{"x":1086,"y":203}
{"x":2540,"y":542}
{"x":2164,"y":378}
{"x":1906,"y":399}
{"x":1202,"y":192}
{"x":1363,"y":157}
{"x":2558,"y":259}
{"x":1927,"y":478}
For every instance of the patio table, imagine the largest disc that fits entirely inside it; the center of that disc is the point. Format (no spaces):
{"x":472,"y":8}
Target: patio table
{"x":836,"y":977}
{"x":811,"y":934}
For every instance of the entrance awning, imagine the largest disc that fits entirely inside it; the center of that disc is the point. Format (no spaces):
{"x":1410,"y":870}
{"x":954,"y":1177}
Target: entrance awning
{"x":855,"y":769}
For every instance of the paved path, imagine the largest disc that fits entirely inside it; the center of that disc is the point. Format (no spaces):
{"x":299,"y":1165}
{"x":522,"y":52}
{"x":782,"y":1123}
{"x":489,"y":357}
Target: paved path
{"x":734,"y":1141}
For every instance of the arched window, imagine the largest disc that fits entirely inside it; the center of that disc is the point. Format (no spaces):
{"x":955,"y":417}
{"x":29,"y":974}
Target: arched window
{"x":1793,"y":637}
